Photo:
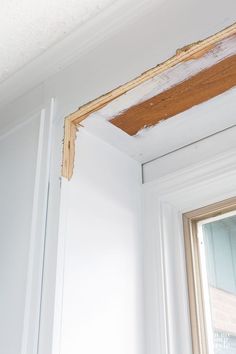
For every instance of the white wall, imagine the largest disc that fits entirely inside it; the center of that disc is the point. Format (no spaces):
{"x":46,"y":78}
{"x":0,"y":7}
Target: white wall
{"x":124,"y":55}
{"x":102,"y":293}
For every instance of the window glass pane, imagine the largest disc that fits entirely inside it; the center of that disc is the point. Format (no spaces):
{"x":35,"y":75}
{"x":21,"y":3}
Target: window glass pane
{"x":220,"y":257}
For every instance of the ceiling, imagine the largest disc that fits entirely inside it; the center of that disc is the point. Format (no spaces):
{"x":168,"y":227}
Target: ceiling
{"x":28,"y":27}
{"x":40,"y":38}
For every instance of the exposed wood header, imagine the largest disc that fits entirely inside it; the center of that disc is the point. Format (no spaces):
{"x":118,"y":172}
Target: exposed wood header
{"x":190,"y":52}
{"x":197,"y":89}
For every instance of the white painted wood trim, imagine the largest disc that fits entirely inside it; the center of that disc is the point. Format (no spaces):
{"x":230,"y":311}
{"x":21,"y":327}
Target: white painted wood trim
{"x":32,"y":324}
{"x":59,"y":287}
{"x":165,"y":200}
{"x":30,"y":329}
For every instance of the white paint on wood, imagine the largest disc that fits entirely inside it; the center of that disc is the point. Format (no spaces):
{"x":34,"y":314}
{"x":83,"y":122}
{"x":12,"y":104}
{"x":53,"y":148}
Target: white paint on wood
{"x":183,"y":129}
{"x":32,"y":317}
{"x":18,"y":154}
{"x":190,"y":155}
{"x":102,"y":288}
{"x":168,"y":79}
{"x":24,"y":152}
{"x":199,"y":151}
{"x":165,"y":200}
{"x":29,"y":327}
{"x":51,"y":288}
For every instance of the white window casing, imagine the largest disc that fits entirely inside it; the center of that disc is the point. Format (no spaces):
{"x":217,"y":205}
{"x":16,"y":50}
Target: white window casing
{"x":168,"y":329}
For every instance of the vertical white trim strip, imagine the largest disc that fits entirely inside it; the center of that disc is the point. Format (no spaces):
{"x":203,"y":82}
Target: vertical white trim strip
{"x":32,"y":315}
{"x":61,"y":247}
{"x":205,"y":290}
{"x":164,"y":280}
{"x":46,"y":190}
{"x":28,"y":329}
{"x":50,"y":133}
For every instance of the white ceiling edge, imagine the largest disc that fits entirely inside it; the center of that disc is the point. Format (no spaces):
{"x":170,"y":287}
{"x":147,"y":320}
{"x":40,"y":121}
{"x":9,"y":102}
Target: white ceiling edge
{"x":153,"y":30}
{"x":197,"y":123}
{"x":65,"y":52}
{"x":28,"y":28}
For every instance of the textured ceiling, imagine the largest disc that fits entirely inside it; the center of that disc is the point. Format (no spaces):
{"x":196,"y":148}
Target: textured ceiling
{"x":29,"y":27}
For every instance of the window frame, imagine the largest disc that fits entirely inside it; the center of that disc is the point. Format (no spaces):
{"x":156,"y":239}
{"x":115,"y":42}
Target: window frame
{"x":167,"y":302}
{"x":197,"y":295}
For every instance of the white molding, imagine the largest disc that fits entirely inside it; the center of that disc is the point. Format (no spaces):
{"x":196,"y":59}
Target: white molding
{"x":54,"y":247}
{"x":165,"y":200}
{"x":213,"y":142}
{"x":59,"y":287}
{"x":30,"y":329}
{"x":32,"y":311}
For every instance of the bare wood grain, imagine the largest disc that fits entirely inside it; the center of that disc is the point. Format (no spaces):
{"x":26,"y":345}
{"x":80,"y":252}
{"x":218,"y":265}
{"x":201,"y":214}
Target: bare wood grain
{"x":68,"y":149}
{"x":197,"y":89}
{"x":193,"y":51}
